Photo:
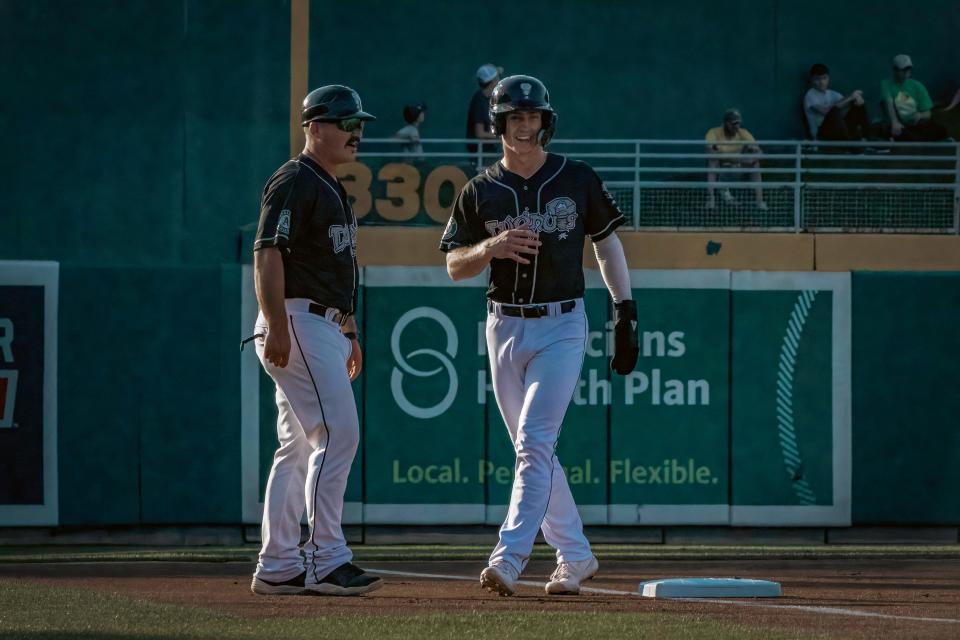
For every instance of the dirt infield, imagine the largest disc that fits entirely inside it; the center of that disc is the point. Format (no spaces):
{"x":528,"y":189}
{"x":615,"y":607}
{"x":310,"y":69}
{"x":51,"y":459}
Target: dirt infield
{"x":846,"y":598}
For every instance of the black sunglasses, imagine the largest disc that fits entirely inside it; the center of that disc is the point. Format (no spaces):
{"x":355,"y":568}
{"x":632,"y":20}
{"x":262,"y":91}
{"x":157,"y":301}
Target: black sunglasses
{"x":350,"y":125}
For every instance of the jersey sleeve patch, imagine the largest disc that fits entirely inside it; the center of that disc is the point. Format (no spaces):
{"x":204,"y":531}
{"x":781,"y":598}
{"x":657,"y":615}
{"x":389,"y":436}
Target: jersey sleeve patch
{"x":603,"y":215}
{"x":281,"y":210}
{"x":457,"y":232}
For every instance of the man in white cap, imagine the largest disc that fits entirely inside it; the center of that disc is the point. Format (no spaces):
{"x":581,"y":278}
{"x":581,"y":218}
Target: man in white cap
{"x":478,"y":114}
{"x":908,"y":105}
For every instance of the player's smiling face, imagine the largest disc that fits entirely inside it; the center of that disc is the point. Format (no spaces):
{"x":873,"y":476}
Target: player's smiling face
{"x":522,"y":129}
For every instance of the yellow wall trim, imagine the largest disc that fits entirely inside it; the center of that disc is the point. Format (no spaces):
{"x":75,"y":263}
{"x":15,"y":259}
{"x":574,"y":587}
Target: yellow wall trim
{"x":299,"y":68}
{"x":887,"y":252}
{"x":418,"y":246}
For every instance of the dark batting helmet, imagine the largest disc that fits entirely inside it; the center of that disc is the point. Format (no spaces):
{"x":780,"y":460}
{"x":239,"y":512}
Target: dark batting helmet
{"x":522,"y":93}
{"x":332,"y":103}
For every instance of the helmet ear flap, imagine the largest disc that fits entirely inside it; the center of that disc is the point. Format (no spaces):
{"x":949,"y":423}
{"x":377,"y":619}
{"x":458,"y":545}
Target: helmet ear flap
{"x":499,"y":123}
{"x":547,"y":127}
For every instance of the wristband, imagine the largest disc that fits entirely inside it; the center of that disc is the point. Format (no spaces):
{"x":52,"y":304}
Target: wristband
{"x":351,"y":335}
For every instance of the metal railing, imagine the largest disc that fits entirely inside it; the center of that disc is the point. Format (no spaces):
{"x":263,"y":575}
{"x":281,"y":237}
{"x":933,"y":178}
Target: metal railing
{"x":789,"y":185}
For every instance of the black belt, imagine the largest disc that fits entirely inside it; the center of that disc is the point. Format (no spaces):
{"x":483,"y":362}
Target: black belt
{"x":532,"y":310}
{"x":330,"y":313}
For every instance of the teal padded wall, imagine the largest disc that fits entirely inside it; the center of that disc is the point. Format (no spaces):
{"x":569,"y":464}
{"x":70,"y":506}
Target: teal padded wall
{"x":149,"y":427}
{"x":906,"y":407}
{"x":146,"y":134}
{"x":148,"y":392}
{"x":626,"y":68}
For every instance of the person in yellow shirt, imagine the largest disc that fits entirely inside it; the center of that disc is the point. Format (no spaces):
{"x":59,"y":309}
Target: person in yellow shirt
{"x":730,"y":140}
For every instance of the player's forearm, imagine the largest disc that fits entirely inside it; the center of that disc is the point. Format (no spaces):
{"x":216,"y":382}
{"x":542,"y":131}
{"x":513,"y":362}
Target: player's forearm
{"x":891,"y":112}
{"x":350,"y":326}
{"x":269,"y":281}
{"x":467,"y":262}
{"x":842,"y":103}
{"x":954,"y":102}
{"x":613,"y":267}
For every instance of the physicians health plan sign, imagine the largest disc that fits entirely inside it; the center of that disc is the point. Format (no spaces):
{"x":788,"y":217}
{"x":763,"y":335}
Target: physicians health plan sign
{"x":738,"y":411}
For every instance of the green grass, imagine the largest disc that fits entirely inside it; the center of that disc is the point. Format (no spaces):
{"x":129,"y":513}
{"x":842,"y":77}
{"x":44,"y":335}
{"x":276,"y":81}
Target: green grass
{"x":34,"y":611}
{"x":373,"y":553}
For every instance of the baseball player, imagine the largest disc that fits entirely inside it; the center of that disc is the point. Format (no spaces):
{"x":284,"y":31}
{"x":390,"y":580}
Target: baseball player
{"x":306,"y":276}
{"x":527,"y":217}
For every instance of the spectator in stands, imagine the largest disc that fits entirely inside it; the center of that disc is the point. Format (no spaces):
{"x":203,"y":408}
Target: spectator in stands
{"x":414,"y":115}
{"x":478,"y":114}
{"x":908,"y":105}
{"x":830,"y":115}
{"x":731,"y":139}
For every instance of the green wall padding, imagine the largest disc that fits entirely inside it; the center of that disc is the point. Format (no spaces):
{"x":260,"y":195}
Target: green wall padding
{"x":906,"y":408}
{"x":146,"y":134}
{"x":149,"y":414}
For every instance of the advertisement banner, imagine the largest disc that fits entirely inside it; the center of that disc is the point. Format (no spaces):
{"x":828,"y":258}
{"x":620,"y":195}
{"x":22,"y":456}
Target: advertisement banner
{"x":736,"y":413}
{"x":791,"y":416}
{"x":669,"y":445}
{"x":425,"y":436}
{"x":28,"y":393}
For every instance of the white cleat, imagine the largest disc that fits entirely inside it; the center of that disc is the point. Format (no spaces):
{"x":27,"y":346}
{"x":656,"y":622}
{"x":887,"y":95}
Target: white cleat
{"x":568,"y":576}
{"x":500,"y":579}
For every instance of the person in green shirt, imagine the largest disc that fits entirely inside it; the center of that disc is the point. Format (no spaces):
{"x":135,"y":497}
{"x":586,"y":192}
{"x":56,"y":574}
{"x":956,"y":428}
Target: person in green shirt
{"x":908,"y":105}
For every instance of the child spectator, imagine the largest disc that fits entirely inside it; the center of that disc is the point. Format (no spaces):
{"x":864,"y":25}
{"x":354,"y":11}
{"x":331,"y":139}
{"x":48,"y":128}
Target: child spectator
{"x":830,"y":115}
{"x":414,"y":115}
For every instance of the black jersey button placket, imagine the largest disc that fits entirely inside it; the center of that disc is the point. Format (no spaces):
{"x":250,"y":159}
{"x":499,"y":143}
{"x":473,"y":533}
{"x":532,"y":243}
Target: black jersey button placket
{"x":523,"y":274}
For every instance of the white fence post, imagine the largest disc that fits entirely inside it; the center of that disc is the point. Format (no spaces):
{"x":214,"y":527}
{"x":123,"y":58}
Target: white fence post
{"x":797,"y":202}
{"x":636,"y":185}
{"x":956,"y":192}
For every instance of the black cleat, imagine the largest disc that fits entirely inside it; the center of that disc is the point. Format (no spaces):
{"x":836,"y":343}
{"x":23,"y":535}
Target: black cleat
{"x":292,"y":587}
{"x":346,"y":580}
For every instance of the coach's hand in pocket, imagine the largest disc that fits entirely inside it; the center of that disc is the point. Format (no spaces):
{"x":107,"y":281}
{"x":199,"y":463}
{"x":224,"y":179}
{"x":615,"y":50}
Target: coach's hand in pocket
{"x":276,"y":346}
{"x":355,"y":361}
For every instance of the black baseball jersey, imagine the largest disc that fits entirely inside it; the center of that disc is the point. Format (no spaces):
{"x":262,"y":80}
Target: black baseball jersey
{"x":564,"y":201}
{"x":304,"y":212}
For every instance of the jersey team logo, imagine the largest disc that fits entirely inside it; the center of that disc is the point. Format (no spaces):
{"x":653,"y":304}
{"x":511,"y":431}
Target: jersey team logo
{"x":444,"y":360}
{"x":283,"y":224}
{"x":559,"y":216}
{"x":450,"y":231}
{"x":343,"y":236}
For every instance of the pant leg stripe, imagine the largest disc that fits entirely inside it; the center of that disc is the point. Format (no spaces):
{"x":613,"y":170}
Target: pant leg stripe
{"x":553,"y":457}
{"x":316,"y":484}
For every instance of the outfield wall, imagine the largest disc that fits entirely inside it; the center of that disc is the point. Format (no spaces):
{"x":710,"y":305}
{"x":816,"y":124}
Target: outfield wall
{"x":790,"y":398}
{"x":150,"y":147}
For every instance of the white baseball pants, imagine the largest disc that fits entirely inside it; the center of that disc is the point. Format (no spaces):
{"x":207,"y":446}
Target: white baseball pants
{"x":535,"y":366}
{"x":318,"y":430}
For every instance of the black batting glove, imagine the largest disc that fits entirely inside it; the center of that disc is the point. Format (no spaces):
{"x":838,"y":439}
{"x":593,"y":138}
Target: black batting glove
{"x":625,"y":349}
